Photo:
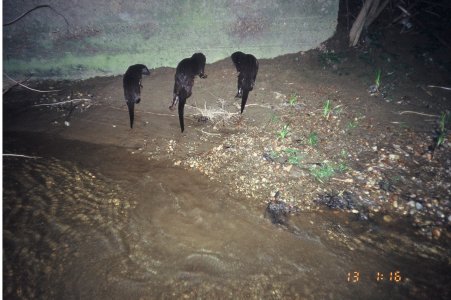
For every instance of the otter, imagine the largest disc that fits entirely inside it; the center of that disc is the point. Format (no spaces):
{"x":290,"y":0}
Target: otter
{"x":186,"y":70}
{"x":132,"y":87}
{"x":247,"y":68}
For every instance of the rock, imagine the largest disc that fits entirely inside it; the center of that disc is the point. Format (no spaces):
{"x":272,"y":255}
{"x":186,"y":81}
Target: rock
{"x":343,"y":202}
{"x":418,"y":206}
{"x":388,"y":219}
{"x":440,"y":214}
{"x":393,"y":156}
{"x":436,"y":233}
{"x":386,"y":186}
{"x":411,"y":203}
{"x":287,"y":168}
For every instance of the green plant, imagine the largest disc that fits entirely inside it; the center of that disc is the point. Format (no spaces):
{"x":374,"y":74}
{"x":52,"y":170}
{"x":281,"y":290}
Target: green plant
{"x":343,"y":153}
{"x":341,"y":167}
{"x":352,"y":124}
{"x":323,"y":172}
{"x":312,"y":139}
{"x":291,"y":151}
{"x":327,"y":109}
{"x":274,"y":155}
{"x":293,"y":156}
{"x":377,"y":81}
{"x":294,"y":160}
{"x":293,"y":100}
{"x":283,"y":133}
{"x":274,"y":118}
{"x":442,"y":129}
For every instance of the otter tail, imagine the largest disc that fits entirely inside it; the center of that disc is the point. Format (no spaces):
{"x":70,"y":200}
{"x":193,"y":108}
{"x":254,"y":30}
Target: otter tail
{"x":244,"y":99}
{"x":131,"y":111}
{"x":181,"y":109}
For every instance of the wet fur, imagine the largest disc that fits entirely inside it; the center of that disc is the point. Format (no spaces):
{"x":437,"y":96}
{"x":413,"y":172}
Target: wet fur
{"x":132,"y":87}
{"x":247,"y":68}
{"x":186,"y":70}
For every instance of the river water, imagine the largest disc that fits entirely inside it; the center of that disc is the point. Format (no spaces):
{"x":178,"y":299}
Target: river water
{"x":86,"y":221}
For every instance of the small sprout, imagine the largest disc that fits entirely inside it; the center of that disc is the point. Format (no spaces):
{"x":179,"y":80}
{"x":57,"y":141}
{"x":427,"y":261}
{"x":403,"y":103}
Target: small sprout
{"x":442,"y":129}
{"x":323,"y":172}
{"x":293,"y":99}
{"x":312,"y":139}
{"x":284,"y":132}
{"x":327,"y":109}
{"x":352,"y":124}
{"x":343,"y":153}
{"x":341,"y":168}
{"x":293,"y":158}
{"x":378,"y":79}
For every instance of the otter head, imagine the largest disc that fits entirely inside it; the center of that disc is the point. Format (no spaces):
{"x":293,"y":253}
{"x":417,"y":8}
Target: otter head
{"x":199,"y":59}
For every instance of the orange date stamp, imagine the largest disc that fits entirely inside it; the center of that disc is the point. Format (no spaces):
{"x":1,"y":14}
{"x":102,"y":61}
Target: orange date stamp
{"x":394,"y":276}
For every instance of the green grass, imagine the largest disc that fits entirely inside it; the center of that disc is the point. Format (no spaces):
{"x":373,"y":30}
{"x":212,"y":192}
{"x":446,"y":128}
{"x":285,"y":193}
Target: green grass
{"x":293,"y":100}
{"x":343,"y":153}
{"x":327,"y":109}
{"x":377,"y":81}
{"x":312,"y":139}
{"x":274,"y":118}
{"x":283,"y":133}
{"x":352,"y":124}
{"x":442,"y":129}
{"x":325,"y":171}
{"x":293,"y":156}
{"x":274,"y":155}
{"x":322,"y":173}
{"x":341,"y":167}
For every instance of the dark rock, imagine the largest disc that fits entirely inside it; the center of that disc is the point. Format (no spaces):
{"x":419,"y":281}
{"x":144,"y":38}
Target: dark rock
{"x":386,"y":186}
{"x":278,"y":211}
{"x":345,"y":202}
{"x":333,"y":201}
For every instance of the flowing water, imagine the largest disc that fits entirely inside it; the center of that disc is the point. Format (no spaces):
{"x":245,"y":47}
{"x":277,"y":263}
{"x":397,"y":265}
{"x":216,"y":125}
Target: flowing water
{"x":96,"y":222}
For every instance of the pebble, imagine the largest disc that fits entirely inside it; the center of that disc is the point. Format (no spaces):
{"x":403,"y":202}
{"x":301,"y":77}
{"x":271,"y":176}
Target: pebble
{"x":441,"y":214}
{"x":388,"y":218}
{"x":393,"y":156}
{"x":287,"y":168}
{"x":418,"y":206}
{"x":436,"y":233}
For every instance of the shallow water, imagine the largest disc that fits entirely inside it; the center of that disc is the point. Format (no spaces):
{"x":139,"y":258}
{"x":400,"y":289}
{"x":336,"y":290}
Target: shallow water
{"x":96,"y":222}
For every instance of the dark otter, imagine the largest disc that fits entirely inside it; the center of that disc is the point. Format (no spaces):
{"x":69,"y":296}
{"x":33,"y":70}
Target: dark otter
{"x":132,"y":87}
{"x":247,"y":67}
{"x":186,"y":70}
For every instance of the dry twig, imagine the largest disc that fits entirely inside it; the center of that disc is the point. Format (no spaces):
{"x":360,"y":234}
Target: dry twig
{"x":27,"y":87}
